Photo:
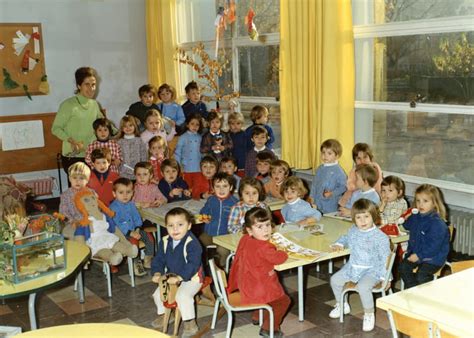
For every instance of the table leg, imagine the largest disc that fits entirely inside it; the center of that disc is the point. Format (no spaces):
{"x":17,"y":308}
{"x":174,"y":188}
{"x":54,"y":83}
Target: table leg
{"x":300,"y":294}
{"x":31,"y":311}
{"x":80,"y":287}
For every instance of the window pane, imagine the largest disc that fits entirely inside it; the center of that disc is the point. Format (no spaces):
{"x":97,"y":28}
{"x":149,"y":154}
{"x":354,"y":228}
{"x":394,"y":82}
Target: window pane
{"x":195,"y":20}
{"x":437,"y":146}
{"x":259,"y":73}
{"x":266,"y":19}
{"x":436,"y":66}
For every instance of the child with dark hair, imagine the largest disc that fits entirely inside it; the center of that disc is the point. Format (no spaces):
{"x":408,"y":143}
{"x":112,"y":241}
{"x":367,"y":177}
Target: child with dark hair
{"x":259,"y":138}
{"x":102,"y":178}
{"x":279,"y":171}
{"x":228,"y":165}
{"x":393,"y":203}
{"x":259,"y":116}
{"x":172,"y":184}
{"x":103,"y":131}
{"x":202,"y":187}
{"x":147,"y":194}
{"x":147,"y":94}
{"x":239,"y":140}
{"x":194,"y":105}
{"x":264,"y":160}
{"x":216,"y":142}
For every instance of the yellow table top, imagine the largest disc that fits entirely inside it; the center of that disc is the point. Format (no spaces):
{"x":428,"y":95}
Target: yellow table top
{"x":94,"y":330}
{"x":447,"y":302}
{"x":76,"y":255}
{"x":333,"y":229}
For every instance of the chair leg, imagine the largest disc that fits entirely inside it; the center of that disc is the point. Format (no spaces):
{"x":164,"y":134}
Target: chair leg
{"x":166,"y":319}
{"x":131,"y":271}
{"x":392,"y":324}
{"x":214,"y":316}
{"x":229,"y":324}
{"x":108,"y":277}
{"x":330,"y":266}
{"x":402,"y":285}
{"x":341,"y":306}
{"x":260,"y":317}
{"x":270,"y":313}
{"x":177,"y":320}
{"x":75,"y":284}
{"x":317,"y":267}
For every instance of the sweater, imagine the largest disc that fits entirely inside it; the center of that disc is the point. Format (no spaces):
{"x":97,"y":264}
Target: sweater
{"x":139,"y":110}
{"x":370,"y":194}
{"x":201,"y":185}
{"x":112,"y":145}
{"x":209,"y":140}
{"x":127,"y":218}
{"x":271,"y":136}
{"x":187,"y":152}
{"x":393,"y":210}
{"x":147,"y":135}
{"x":103,"y":185}
{"x":166,"y":188}
{"x":239,"y":150}
{"x":219,"y":210}
{"x":133,"y":151}
{"x":172,"y":111}
{"x":351,"y":184}
{"x":299,"y":210}
{"x":251,"y":161}
{"x":198,"y":108}
{"x":147,"y":193}
{"x":237,"y":215}
{"x":328,"y":178}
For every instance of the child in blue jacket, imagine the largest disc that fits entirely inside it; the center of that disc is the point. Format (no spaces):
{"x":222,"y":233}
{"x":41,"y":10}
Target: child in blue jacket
{"x":172,"y":185}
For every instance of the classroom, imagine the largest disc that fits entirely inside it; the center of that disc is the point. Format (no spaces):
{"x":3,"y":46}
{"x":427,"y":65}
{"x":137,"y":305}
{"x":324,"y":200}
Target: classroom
{"x":236,"y":168}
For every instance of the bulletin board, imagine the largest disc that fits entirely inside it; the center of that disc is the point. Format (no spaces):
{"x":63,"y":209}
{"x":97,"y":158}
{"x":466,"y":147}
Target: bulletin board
{"x":22,"y":64}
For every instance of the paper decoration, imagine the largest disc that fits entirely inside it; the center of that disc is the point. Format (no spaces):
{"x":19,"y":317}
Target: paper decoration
{"x":24,"y":62}
{"x":251,"y":29}
{"x":36,"y":40}
{"x":8,"y":82}
{"x":294,"y":250}
{"x":20,"y":42}
{"x":44,"y":87}
{"x":27,"y":93}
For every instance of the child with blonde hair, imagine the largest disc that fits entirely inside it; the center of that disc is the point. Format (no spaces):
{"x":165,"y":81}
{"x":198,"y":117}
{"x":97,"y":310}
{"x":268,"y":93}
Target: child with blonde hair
{"x":154,"y":126}
{"x":279,"y":171}
{"x":297,"y":210}
{"x":393,"y":203}
{"x":157,"y":153}
{"x":168,"y":106}
{"x":133,"y":148}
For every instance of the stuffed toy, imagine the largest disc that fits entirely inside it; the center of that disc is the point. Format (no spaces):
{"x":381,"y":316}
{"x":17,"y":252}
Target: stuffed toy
{"x":12,"y":197}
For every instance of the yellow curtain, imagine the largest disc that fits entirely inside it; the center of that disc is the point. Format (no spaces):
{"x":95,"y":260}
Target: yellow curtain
{"x":161,"y":42}
{"x":316,"y":79}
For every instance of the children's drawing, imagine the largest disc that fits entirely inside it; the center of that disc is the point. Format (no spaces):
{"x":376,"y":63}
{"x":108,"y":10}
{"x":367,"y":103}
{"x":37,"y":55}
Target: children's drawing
{"x":294,"y":250}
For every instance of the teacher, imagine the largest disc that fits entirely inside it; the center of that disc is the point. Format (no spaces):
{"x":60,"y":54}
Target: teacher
{"x":73,"y":122}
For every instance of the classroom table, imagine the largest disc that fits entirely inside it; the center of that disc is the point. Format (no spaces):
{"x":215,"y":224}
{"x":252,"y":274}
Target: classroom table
{"x":333,"y":229}
{"x":94,"y":330}
{"x":447,"y":302}
{"x":77,"y":254}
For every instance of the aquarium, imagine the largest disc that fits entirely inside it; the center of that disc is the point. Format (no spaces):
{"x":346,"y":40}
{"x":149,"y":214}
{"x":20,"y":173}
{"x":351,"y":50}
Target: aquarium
{"x":32,"y":256}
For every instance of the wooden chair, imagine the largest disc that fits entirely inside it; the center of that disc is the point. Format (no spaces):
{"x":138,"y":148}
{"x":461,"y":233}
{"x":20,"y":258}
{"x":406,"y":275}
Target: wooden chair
{"x":232,"y":303}
{"x":412,"y":327}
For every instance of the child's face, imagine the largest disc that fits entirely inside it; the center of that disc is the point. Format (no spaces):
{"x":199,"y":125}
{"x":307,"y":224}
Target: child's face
{"x":208,"y":170}
{"x":215,"y":125}
{"x":360,"y":183}
{"x":165,"y":95}
{"x":147,"y":99}
{"x":193,"y":126}
{"x":101,"y":165}
{"x":194,"y":95}
{"x":102,"y":133}
{"x":363,"y":158}
{"x":263,"y":167}
{"x":228,"y":167}
{"x":153,"y":124}
{"x":143,"y":176}
{"x":250,"y":195}
{"x":389,"y":193}
{"x":157,"y":150}
{"x":424,"y":203}
{"x":328,"y":156}
{"x":364,"y":220}
{"x":123,"y":193}
{"x":278,"y":174}
{"x":128,"y":128}
{"x":78,"y":181}
{"x":261,"y":230}
{"x":291,"y":195}
{"x":235,"y":126}
{"x":259,"y":140}
{"x":262,"y":120}
{"x":177,"y":226}
{"x":170,"y":174}
{"x":222,"y":188}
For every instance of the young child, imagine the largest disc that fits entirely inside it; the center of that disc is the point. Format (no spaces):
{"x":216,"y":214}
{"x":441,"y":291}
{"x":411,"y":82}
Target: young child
{"x":264,"y":161}
{"x":229,"y":166}
{"x":131,"y":145}
{"x":154,"y":127}
{"x":216,"y":142}
{"x":279,"y":171}
{"x":251,"y":194}
{"x":146,"y":193}
{"x":179,"y":253}
{"x":147,"y":94}
{"x":172,"y":185}
{"x":329,"y":183}
{"x":253,"y":274}
{"x":370,"y":249}
{"x":103,"y":132}
{"x":218,"y":208}
{"x":428,"y":245}
{"x":296,"y":209}
{"x":361,"y":154}
{"x":128,"y":220}
{"x":194,"y":105}
{"x":259,"y":138}
{"x":157,"y":153}
{"x":366,"y":178}
{"x":259,"y":117}
{"x":393,"y":203}
{"x":102,"y":178}
{"x":239,"y":140}
{"x":202,"y":187}
{"x":168,"y":107}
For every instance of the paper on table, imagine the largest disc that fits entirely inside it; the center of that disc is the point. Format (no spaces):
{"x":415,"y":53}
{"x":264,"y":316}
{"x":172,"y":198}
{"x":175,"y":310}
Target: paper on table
{"x":294,"y":250}
{"x":337,"y":215}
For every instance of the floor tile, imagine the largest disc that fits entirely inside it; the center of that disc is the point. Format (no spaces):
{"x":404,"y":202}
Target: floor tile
{"x":66,"y":293}
{"x":126,"y":321}
{"x":73,"y":306}
{"x":291,"y":282}
{"x":4,"y":310}
{"x":245,"y":331}
{"x":291,"y":325}
{"x":138,"y":280}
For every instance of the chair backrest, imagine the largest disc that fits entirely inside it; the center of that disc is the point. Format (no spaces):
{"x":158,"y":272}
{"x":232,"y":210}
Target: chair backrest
{"x":220,"y":281}
{"x":389,"y":266}
{"x":462,"y":265}
{"x":411,"y":326}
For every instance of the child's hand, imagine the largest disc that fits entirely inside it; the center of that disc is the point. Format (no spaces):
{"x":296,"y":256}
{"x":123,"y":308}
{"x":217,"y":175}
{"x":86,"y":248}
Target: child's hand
{"x":344,"y":212}
{"x":187,"y":193}
{"x":116,"y":162}
{"x":383,"y":204}
{"x":176,"y":192}
{"x":327,"y":193}
{"x":336,"y":247}
{"x":156,"y":277}
{"x":135,"y":234}
{"x":174,"y":280}
{"x":413,"y":258}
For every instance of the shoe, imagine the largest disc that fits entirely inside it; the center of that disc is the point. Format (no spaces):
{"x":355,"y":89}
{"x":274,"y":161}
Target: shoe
{"x":138,"y":268}
{"x":147,"y":262}
{"x":369,"y":322}
{"x":265,"y":333}
{"x":114,"y":269}
{"x":336,"y":312}
{"x":190,"y":328}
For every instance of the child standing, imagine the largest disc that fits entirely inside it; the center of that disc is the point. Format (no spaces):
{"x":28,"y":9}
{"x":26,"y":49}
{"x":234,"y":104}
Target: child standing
{"x":168,"y":107}
{"x":370,"y":249}
{"x":172,"y":185}
{"x":218,"y":208}
{"x":296,"y":209}
{"x":239,"y":140}
{"x":147,"y":94}
{"x":155,"y":127}
{"x":146,"y":193}
{"x":228,"y":165}
{"x":251,"y":194}
{"x":259,"y":138}
{"x":279,"y":171}
{"x":132,"y":147}
{"x":366,"y":178}
{"x":329,"y":183}
{"x":102,"y":178}
{"x":264,"y":160}
{"x":259,"y":117}
{"x":253,"y":274}
{"x":216,"y":142}
{"x":428,"y":245}
{"x":103,"y":132}
{"x":393,"y":203}
{"x":202,"y":187}
{"x":157,"y":153}
{"x":194,"y":105}
{"x":179,"y":253}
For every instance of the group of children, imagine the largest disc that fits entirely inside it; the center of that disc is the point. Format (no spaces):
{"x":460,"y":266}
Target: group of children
{"x":165,"y":153}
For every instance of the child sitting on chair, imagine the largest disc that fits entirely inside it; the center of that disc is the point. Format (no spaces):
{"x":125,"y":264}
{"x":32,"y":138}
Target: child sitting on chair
{"x":179,"y":253}
{"x":393,"y":203}
{"x":370,"y":249}
{"x":296,"y":209}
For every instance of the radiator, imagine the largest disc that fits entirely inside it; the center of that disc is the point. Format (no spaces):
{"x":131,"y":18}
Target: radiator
{"x":463,"y":222}
{"x":40,"y":186}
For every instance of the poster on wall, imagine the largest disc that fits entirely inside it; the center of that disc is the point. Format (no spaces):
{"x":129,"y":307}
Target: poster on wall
{"x":22,"y":63}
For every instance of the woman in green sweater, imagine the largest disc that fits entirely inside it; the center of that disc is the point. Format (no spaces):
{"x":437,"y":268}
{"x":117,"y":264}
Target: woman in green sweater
{"x":73,"y":122}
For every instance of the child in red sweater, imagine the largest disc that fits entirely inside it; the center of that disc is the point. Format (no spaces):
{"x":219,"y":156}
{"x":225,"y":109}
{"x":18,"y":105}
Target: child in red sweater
{"x":202,"y":185}
{"x":102,"y":177}
{"x":253,"y":273}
